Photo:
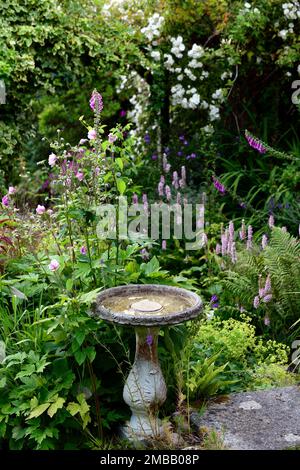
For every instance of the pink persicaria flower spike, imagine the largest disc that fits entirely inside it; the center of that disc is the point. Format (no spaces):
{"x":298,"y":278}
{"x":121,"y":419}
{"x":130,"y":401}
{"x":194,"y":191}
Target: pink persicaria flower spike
{"x":256,"y":301}
{"x":96,"y":102}
{"x":268,"y":286}
{"x":264,"y":241}
{"x":83,"y":250}
{"x":5,"y":201}
{"x":242,"y":232}
{"x":54,"y":265}
{"x":11,"y":190}
{"x":175,"y":180}
{"x":218,"y":249}
{"x":164,"y":245}
{"x":40,"y":209}
{"x":52,"y":159}
{"x":135,"y":199}
{"x":267,"y":298}
{"x":161,"y":186}
{"x":92,"y":134}
{"x":168,"y":193}
{"x":145,"y":202}
{"x":267,"y":320}
{"x":250,"y":236}
{"x":112,"y":138}
{"x":271,"y":221}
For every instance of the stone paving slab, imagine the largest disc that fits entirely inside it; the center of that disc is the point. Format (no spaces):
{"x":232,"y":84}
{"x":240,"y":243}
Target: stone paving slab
{"x":260,"y":420}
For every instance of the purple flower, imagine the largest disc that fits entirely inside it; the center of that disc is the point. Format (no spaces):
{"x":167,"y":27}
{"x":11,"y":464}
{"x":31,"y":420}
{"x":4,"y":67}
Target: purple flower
{"x":264,"y":241}
{"x":214,"y":301}
{"x":166,"y":165}
{"x":164,"y":245}
{"x":145,"y":202}
{"x":175,"y":180}
{"x":79,"y":175}
{"x":147,"y":139}
{"x":242,"y":232}
{"x":82,"y":141}
{"x":145,"y":254}
{"x":192,"y":156}
{"x":218,"y":185}
{"x":40,"y":209}
{"x":185,"y":142}
{"x":5,"y":200}
{"x":92,"y":134}
{"x":168,"y":192}
{"x":249,"y":238}
{"x":123,"y":113}
{"x":255,"y":143}
{"x":181,"y":138}
{"x":52,"y":159}
{"x":11,"y":190}
{"x":54,"y":265}
{"x":135,"y":199}
{"x":271,"y":221}
{"x":149,"y":340}
{"x":161,"y":186}
{"x":256,"y":301}
{"x":218,"y":249}
{"x":112,"y":138}
{"x":96,"y":102}
{"x":154,"y":157}
{"x":267,"y":298}
{"x":179,"y":153}
{"x":83,"y":250}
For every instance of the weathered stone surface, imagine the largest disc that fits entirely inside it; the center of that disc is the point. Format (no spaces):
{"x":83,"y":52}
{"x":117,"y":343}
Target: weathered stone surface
{"x":261,"y":420}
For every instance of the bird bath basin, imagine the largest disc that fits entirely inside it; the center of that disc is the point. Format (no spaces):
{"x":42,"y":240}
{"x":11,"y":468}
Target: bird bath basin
{"x":146,"y":307}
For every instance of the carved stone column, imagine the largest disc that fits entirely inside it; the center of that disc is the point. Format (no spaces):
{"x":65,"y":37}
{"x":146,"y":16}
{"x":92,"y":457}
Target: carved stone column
{"x":145,"y":389}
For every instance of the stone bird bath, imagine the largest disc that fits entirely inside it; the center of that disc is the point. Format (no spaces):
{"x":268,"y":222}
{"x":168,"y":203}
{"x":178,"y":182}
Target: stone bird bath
{"x":146,"y":307}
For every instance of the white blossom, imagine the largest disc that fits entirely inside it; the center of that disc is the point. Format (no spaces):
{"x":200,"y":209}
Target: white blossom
{"x":189,"y":74}
{"x":155,"y":55}
{"x":214,"y":112}
{"x":196,"y":52}
{"x":195,"y":65}
{"x":169,"y":61}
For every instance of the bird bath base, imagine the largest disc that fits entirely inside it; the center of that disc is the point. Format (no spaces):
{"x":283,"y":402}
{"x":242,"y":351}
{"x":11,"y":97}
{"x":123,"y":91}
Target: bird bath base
{"x":145,"y":388}
{"x":146,"y":307}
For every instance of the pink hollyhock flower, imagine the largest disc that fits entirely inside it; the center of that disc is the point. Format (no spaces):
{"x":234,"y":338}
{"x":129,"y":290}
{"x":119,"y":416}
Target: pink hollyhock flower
{"x":82,"y":141}
{"x":79,"y":175}
{"x":11,"y":190}
{"x":40,"y":209}
{"x":92,"y":134}
{"x":112,"y":138}
{"x":54,"y":265}
{"x":83,"y":250}
{"x":96,"y":102}
{"x":5,"y":200}
{"x":50,"y":212}
{"x":52,"y":159}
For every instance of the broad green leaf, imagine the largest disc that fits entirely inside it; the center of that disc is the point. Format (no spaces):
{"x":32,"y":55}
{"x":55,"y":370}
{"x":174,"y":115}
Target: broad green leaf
{"x":55,"y":406}
{"x":119,"y":162}
{"x":38,"y":410}
{"x":121,"y":185}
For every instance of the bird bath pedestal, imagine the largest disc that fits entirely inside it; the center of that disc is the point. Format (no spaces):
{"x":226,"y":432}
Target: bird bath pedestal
{"x":146,"y":308}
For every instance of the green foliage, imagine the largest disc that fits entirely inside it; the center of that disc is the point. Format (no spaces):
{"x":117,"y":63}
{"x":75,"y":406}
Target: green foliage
{"x":222,"y":356}
{"x":280,"y":259}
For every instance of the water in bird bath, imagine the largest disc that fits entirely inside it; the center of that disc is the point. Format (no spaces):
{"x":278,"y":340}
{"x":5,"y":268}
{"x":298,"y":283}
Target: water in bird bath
{"x":159,"y":304}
